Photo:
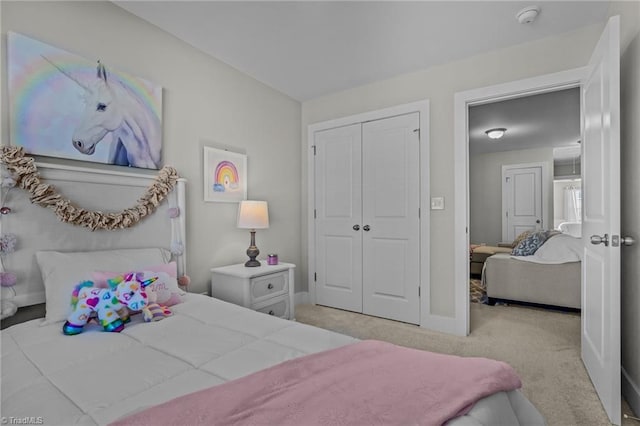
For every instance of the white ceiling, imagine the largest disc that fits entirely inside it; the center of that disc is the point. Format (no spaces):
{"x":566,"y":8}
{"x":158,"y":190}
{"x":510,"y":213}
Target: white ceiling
{"x":307,"y":49}
{"x":538,"y":121}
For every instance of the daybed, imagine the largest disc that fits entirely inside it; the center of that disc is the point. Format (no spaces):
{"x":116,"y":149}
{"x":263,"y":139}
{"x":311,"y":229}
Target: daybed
{"x":551,"y":276}
{"x":246,"y":367}
{"x":480,"y":253}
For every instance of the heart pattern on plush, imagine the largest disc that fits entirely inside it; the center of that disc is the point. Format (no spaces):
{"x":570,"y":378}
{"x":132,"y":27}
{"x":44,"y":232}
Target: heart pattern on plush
{"x":93,"y":301}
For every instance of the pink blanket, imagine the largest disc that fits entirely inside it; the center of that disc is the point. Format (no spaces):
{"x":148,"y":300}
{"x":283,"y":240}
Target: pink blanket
{"x":369,"y":382}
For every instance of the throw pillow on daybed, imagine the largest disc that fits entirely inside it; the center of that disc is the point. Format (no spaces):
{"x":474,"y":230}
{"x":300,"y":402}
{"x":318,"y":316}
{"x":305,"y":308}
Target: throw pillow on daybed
{"x":521,"y":237}
{"x":532,"y":242}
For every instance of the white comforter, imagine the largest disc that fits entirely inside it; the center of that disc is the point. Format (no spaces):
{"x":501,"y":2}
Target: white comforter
{"x":97,"y":377}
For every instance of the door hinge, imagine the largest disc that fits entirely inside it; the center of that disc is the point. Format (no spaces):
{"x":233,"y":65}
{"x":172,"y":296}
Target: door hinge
{"x":417,"y":131}
{"x":315,"y":213}
{"x":507,"y":179}
{"x":418,"y":291}
{"x":314,"y":149}
{"x":418,"y":212}
{"x":315,"y":277}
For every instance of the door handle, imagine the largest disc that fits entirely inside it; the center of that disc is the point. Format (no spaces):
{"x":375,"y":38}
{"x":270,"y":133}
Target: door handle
{"x":366,"y":227}
{"x":356,"y":227}
{"x":538,"y":221}
{"x":597,"y":239}
{"x":627,"y":241}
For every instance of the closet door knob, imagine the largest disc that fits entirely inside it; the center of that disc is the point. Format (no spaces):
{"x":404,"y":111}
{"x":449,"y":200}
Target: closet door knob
{"x":366,"y":227}
{"x":356,"y":227}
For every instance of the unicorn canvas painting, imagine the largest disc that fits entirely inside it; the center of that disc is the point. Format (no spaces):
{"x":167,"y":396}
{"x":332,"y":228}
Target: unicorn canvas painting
{"x":62,"y":105}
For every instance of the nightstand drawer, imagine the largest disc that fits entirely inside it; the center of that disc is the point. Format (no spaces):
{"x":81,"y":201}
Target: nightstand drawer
{"x":267,"y":288}
{"x":278,"y":307}
{"x":269,"y":285}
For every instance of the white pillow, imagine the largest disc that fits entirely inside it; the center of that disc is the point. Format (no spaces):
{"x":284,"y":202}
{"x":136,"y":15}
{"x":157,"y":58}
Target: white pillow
{"x":61,"y":272}
{"x":561,"y":248}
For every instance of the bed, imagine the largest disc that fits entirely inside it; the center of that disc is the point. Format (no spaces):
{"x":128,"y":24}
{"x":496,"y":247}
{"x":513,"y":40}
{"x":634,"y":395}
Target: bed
{"x":208,"y":345}
{"x":551,"y":276}
{"x":480,"y":253}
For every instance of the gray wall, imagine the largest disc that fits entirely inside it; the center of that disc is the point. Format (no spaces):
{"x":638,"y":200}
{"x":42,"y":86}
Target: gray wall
{"x":630,"y":179}
{"x":205,"y":102}
{"x":485,"y":191}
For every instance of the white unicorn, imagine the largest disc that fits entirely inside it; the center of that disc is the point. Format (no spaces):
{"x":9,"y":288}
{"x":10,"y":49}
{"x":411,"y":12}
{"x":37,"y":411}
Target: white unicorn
{"x":113,"y":108}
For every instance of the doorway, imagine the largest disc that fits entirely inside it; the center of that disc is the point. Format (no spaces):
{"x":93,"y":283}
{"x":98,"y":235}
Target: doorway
{"x":599,"y":83}
{"x":511,"y":190}
{"x":462,"y":185}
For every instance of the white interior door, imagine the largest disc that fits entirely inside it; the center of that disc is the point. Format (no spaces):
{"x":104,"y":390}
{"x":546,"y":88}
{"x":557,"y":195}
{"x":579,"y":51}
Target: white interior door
{"x":521,"y":200}
{"x":338,"y":192}
{"x":601,"y":220}
{"x":391,"y":222}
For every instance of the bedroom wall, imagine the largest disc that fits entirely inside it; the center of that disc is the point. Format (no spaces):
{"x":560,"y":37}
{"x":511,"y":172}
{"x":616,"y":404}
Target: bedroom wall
{"x":205,"y":102}
{"x":485,"y":190}
{"x":439,"y":84}
{"x":630,"y":178}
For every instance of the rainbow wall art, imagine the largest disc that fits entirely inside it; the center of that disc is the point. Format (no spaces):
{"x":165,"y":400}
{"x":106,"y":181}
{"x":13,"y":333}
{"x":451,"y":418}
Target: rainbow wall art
{"x":56,"y":103}
{"x":225,"y":175}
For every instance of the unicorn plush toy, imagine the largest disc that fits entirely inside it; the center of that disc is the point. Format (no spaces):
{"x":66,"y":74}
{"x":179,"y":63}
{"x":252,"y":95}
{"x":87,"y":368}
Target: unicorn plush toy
{"x":110,"y":304}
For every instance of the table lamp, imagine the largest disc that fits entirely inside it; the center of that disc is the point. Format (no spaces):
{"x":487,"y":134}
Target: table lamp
{"x":253,"y":215}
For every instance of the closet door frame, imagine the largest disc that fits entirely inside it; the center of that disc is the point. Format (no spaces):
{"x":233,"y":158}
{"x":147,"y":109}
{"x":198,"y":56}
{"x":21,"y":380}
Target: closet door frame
{"x":421,"y":107}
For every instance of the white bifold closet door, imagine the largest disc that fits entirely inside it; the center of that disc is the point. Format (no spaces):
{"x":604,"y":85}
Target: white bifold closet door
{"x":367,"y":217}
{"x":338,"y":201}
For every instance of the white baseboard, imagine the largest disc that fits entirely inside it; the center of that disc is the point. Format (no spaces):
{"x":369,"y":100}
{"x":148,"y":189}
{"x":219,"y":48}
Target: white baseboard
{"x":631,"y":392}
{"x":442,"y":324}
{"x":301,"y":298}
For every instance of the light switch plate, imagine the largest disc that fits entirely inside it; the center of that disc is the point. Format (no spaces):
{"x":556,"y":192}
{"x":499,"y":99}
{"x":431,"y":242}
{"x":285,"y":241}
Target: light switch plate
{"x":437,"y":203}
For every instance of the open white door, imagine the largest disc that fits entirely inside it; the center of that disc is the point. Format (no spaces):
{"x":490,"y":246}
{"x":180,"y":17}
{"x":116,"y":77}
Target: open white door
{"x":601,"y":220}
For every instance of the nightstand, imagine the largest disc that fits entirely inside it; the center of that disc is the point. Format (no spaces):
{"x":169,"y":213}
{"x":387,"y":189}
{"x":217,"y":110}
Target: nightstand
{"x":265,"y":288}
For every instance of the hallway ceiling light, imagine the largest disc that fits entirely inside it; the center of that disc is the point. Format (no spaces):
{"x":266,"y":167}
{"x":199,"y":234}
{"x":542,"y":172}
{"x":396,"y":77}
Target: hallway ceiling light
{"x":496,"y":133}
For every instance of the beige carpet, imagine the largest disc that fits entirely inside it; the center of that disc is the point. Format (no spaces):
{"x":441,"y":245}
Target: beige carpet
{"x":543,"y":346}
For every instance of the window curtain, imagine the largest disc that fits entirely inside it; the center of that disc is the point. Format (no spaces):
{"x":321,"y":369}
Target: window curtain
{"x":573,"y":204}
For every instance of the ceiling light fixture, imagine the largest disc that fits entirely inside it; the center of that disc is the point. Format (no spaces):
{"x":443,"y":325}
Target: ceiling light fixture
{"x":496,"y":133}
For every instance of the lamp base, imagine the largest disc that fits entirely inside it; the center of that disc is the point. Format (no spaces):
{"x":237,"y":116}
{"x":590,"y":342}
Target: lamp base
{"x":252,"y":252}
{"x":252,"y":263}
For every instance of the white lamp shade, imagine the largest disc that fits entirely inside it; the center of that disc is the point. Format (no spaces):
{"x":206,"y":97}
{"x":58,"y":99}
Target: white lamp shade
{"x":253,"y":215}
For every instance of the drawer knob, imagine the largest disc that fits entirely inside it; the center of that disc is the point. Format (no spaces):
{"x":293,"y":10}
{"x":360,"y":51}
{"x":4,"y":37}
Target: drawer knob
{"x":270,"y":286}
{"x":271,"y":312}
